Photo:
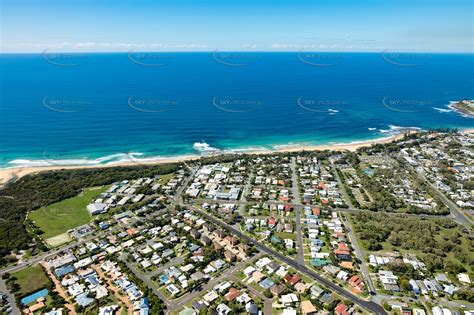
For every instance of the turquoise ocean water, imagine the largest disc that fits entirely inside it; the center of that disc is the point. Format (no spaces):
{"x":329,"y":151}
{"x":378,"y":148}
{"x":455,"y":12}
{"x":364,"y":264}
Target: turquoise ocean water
{"x":61,"y":109}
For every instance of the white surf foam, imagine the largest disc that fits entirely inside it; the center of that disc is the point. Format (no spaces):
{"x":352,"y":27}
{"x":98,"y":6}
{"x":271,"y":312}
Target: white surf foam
{"x":394,"y":130}
{"x":442,"y":110}
{"x":204,"y":147}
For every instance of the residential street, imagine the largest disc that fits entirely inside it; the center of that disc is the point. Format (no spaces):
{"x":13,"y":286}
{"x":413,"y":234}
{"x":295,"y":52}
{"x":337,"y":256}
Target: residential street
{"x":457,"y":213}
{"x":297,"y":264}
{"x":360,"y":254}
{"x":227,"y":275}
{"x":147,"y":280}
{"x":369,"y":305}
{"x":297,"y":201}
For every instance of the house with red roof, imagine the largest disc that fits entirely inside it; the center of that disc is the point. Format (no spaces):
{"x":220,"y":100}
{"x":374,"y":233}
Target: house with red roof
{"x":272,"y":222}
{"x":354,"y":280}
{"x":131,"y":231}
{"x":342,"y":309}
{"x":317,"y":211}
{"x":232,"y":294}
{"x":343,"y":246}
{"x":292,"y":279}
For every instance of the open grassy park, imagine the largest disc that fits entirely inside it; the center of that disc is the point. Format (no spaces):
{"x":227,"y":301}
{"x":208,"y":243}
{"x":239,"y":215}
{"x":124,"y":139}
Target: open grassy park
{"x":30,"y":280}
{"x":57,"y":218}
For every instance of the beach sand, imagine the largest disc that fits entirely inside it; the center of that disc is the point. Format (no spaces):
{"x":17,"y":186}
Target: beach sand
{"x":11,"y":174}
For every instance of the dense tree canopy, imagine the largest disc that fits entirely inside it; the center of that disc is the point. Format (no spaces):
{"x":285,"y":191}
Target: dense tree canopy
{"x":433,"y":238}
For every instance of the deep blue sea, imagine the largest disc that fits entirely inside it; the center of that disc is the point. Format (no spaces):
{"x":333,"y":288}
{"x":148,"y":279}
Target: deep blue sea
{"x":101,"y":108}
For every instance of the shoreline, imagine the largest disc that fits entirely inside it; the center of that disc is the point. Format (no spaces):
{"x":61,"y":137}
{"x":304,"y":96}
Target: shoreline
{"x":14,"y":173}
{"x":460,"y":110}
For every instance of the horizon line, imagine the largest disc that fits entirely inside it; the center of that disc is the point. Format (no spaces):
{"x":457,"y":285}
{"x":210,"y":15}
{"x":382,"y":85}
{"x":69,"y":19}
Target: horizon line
{"x":235,"y":51}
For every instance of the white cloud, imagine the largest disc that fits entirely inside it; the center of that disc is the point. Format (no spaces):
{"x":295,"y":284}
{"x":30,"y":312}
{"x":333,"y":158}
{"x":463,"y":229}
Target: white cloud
{"x":100,"y":46}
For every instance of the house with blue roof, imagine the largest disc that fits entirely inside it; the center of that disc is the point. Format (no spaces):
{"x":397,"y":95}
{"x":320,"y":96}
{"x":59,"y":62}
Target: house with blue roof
{"x":318,"y":242}
{"x":194,"y":247}
{"x":167,"y":253}
{"x":83,"y":300}
{"x":318,"y":262}
{"x":122,"y":234}
{"x":173,"y":272}
{"x":267,"y":283}
{"x":164,"y":279}
{"x":275,"y":240}
{"x":414,"y":286}
{"x":144,"y":306}
{"x":104,"y":225}
{"x":33,"y":297}
{"x":124,"y":283}
{"x":93,"y":280}
{"x":134,"y":293}
{"x":218,"y":264}
{"x":64,"y":270}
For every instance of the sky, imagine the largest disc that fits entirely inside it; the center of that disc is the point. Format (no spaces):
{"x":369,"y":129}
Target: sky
{"x":244,"y":25}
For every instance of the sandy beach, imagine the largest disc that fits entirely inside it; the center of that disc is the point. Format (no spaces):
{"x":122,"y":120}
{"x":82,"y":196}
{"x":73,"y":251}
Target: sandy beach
{"x":9,"y":174}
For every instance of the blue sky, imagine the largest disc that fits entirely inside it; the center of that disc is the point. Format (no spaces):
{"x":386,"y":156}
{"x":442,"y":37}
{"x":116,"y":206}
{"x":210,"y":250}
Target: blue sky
{"x":245,"y":25}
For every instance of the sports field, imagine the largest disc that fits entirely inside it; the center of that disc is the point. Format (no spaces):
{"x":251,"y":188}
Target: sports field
{"x":58,"y":218}
{"x":30,"y":279}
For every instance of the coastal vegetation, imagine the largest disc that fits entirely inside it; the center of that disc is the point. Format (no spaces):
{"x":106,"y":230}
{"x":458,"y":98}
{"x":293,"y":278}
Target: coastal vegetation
{"x":440,"y":243}
{"x":35,"y":191}
{"x":384,"y":188}
{"x":464,"y":107}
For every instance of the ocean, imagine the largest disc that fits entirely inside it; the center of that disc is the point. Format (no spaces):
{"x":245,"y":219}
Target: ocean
{"x":88,"y":109}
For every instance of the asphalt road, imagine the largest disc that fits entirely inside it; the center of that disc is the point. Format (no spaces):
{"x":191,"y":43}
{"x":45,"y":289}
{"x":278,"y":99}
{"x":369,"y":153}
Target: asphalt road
{"x":368,"y":305}
{"x":457,"y":213}
{"x":360,"y":254}
{"x":422,"y":299}
{"x":51,"y":253}
{"x":10,"y":298}
{"x":297,"y":264}
{"x":227,"y":275}
{"x":297,"y":200}
{"x":147,"y":281}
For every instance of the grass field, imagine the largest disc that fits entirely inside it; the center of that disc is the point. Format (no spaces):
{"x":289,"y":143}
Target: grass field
{"x":164,"y":179}
{"x":62,"y":216}
{"x":31,"y":279}
{"x":283,"y":235}
{"x":58,"y":240}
